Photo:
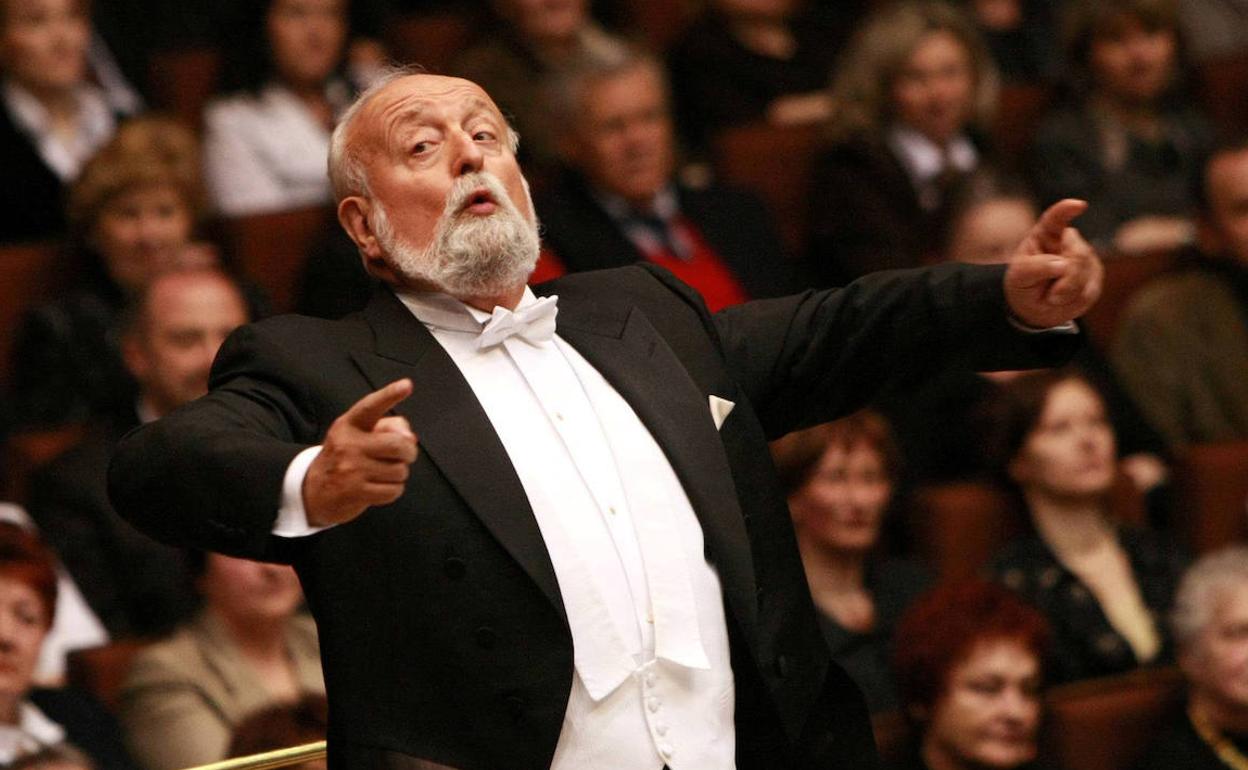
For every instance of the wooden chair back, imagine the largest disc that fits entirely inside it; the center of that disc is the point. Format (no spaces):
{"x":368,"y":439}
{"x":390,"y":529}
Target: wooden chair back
{"x":1106,"y":724}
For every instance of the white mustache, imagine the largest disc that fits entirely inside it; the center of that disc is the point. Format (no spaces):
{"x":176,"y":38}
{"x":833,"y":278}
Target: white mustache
{"x":466,"y":185}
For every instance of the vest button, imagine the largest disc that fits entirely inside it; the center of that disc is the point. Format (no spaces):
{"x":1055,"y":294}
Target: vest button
{"x":455,"y":568}
{"x":486,"y":637}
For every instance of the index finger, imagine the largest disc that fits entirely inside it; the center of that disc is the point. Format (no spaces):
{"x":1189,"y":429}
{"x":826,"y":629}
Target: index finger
{"x":1054,"y":221}
{"x":365,"y":413}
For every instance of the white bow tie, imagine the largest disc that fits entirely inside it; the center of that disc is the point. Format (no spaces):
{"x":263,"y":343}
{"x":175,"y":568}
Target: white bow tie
{"x":534,"y":323}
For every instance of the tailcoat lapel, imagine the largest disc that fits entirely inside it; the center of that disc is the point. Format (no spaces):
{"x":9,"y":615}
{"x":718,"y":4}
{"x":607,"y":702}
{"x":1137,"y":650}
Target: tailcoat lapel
{"x":627,"y":350}
{"x":455,"y":434}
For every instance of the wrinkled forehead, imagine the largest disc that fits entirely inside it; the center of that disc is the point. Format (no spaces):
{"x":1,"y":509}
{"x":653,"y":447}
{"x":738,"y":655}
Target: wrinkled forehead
{"x":415,"y":98}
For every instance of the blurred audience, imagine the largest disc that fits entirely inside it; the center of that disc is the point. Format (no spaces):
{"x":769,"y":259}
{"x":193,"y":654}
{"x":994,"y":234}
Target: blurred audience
{"x":280,"y":727}
{"x":1182,"y":344}
{"x":619,"y":200}
{"x":133,"y":213}
{"x":52,"y":117}
{"x":1101,"y":583}
{"x":265,"y":143}
{"x":1210,"y":622}
{"x":32,"y":720}
{"x":914,"y":93}
{"x":534,"y":40}
{"x":250,"y":648}
{"x":1129,"y":141}
{"x":137,"y":586}
{"x":841,"y":479}
{"x":749,"y":60}
{"x":970,"y":663}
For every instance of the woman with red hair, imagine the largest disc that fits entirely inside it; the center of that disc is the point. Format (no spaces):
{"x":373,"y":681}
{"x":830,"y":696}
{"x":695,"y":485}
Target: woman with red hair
{"x":34,"y":720}
{"x":840,"y":478}
{"x":969,"y":662}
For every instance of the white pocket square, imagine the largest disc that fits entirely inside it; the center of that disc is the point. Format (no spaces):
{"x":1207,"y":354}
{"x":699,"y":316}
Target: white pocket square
{"x":720,"y":409}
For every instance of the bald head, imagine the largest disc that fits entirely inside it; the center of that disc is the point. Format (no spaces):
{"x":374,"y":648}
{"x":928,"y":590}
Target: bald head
{"x":350,"y":141}
{"x":179,"y":322}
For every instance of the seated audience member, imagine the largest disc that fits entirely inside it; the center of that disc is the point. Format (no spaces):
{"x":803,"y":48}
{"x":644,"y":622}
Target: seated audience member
{"x":914,"y":93}
{"x":841,"y":477}
{"x":535,"y":39}
{"x":940,"y":421}
{"x":52,"y":119}
{"x":32,"y":720}
{"x":619,"y":201}
{"x":74,"y":625}
{"x":281,"y":727}
{"x":265,"y":143}
{"x":133,"y":214}
{"x":137,"y":586}
{"x":970,"y":662}
{"x":1127,"y":141}
{"x":1182,"y":344}
{"x":1101,"y":584}
{"x":744,"y":61}
{"x":1210,"y":623}
{"x":250,"y":648}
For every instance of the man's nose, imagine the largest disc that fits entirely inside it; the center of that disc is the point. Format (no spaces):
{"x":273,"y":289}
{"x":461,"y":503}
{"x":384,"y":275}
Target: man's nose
{"x":468,"y":156}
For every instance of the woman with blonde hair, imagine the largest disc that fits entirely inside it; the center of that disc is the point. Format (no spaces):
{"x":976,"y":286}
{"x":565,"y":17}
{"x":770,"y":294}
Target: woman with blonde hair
{"x":133,"y":212}
{"x":914,"y":96}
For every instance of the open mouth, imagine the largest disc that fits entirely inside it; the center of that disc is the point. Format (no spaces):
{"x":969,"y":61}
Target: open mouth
{"x":480,"y":201}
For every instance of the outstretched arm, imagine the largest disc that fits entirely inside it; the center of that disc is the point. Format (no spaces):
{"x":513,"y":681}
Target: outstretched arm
{"x":819,"y":355}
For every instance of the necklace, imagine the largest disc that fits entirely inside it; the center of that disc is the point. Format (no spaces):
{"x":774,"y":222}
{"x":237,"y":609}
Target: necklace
{"x":1230,"y":755}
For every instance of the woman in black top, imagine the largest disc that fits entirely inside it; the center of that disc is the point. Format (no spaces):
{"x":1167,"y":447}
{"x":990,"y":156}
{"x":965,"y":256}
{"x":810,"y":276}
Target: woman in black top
{"x":1103,"y":585}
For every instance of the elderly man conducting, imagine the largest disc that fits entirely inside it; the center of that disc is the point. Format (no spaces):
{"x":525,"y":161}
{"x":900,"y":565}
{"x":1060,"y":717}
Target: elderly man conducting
{"x":534,"y":540}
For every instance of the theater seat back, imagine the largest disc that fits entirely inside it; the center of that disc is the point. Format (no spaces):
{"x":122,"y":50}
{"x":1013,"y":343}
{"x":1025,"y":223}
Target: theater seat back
{"x":1106,"y":724}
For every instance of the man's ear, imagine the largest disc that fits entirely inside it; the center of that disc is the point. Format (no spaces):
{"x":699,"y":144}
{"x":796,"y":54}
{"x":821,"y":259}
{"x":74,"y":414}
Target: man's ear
{"x":1208,"y":237}
{"x":353,"y":213}
{"x":134,"y":356}
{"x":1018,"y":469}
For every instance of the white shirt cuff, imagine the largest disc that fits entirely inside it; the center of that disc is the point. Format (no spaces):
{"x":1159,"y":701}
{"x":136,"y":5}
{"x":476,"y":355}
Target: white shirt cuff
{"x":1070,"y":327}
{"x":292,"y":518}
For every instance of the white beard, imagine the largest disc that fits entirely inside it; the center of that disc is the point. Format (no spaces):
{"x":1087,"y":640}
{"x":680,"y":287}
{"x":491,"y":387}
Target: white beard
{"x":469,"y":255}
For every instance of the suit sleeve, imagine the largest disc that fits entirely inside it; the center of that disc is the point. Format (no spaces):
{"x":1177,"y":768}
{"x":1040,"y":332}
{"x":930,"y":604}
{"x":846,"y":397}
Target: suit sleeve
{"x":813,"y":357}
{"x":209,"y":475}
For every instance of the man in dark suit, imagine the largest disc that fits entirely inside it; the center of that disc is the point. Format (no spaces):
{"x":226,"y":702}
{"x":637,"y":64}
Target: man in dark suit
{"x":586,"y":561}
{"x":618,"y":201}
{"x":136,"y":586}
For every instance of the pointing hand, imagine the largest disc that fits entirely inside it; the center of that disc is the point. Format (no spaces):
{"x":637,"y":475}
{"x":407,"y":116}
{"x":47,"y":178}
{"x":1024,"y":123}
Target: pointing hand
{"x":364,"y":459}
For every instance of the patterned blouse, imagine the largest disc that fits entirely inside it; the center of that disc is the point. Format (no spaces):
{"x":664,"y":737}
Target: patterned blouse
{"x":1085,"y":644}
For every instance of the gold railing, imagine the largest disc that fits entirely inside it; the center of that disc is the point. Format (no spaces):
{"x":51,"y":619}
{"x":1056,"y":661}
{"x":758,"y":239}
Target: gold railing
{"x":270,"y":759}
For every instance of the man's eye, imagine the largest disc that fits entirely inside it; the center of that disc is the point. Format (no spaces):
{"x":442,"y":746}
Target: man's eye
{"x":420,"y":148}
{"x":484,"y":136}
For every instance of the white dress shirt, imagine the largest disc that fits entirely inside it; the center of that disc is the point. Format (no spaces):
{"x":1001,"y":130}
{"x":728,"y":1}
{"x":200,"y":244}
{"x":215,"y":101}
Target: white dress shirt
{"x":924,"y":160}
{"x":653,"y":680}
{"x":64,"y":153}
